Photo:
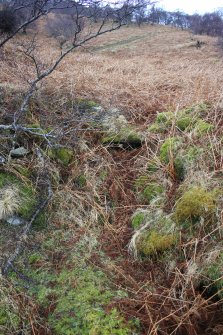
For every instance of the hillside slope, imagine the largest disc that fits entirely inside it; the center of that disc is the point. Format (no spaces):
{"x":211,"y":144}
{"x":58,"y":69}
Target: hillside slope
{"x":127,"y":134}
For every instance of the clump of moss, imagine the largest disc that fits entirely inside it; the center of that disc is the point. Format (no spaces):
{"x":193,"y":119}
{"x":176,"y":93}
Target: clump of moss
{"x":196,"y":203}
{"x":81,"y":181}
{"x":169,"y":148}
{"x":193,"y":152}
{"x":156,"y":128}
{"x":151,"y":191}
{"x":213,"y":274}
{"x":61,"y":154}
{"x":127,"y":135}
{"x":165,"y":117}
{"x":184,"y":122}
{"x":86,"y":104}
{"x":138,"y":219}
{"x":153,"y":166}
{"x":203,"y":127}
{"x":147,"y":189}
{"x":154,"y":242}
{"x":155,"y":233}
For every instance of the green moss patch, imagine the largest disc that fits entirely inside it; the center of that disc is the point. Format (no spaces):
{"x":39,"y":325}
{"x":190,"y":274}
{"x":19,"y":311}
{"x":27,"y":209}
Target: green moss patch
{"x":126,"y":136}
{"x":213,"y":273}
{"x":152,"y":242}
{"x":169,"y":149}
{"x":196,"y":203}
{"x":61,"y":154}
{"x":203,"y":127}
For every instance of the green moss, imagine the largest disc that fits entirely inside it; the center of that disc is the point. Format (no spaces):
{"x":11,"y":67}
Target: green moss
{"x":127,"y":135}
{"x":184,"y":122}
{"x":156,"y":128}
{"x":151,"y":191}
{"x":81,"y":181}
{"x":61,"y":154}
{"x":213,"y":273}
{"x":153,"y":166}
{"x":197,"y":109}
{"x":9,"y":318}
{"x":23,"y":171}
{"x":141,"y":182}
{"x":203,"y":127}
{"x":179,"y":168}
{"x":80,"y":297}
{"x":138,"y":219}
{"x":86,"y":104}
{"x":193,"y":152}
{"x":153,"y":242}
{"x":165,"y":117}
{"x":168,"y":148}
{"x":194,"y":204}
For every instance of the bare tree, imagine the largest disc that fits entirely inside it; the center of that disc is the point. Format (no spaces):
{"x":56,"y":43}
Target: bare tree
{"x":111,"y":19}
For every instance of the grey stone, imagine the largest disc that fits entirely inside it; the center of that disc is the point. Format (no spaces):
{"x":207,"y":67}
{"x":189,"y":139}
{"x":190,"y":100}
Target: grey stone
{"x":19,"y":152}
{"x":15,"y":221}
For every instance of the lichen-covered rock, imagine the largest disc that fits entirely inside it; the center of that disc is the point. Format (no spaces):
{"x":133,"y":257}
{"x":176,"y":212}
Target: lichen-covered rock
{"x":19,"y":152}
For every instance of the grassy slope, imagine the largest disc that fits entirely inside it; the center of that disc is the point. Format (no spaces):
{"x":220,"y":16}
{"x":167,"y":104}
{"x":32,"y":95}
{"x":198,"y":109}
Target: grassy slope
{"x":83,"y":279}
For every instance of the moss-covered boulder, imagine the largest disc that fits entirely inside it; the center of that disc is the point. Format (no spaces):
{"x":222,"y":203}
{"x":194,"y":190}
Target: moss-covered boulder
{"x":195,"y":204}
{"x":63,"y":155}
{"x":127,"y":136}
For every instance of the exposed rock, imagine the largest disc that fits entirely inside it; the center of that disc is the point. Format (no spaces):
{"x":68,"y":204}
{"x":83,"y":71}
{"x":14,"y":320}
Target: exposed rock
{"x":15,"y":221}
{"x":19,"y":152}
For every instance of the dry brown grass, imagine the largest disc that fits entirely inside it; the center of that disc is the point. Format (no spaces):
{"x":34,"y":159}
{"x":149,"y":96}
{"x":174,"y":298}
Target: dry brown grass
{"x":140,"y":69}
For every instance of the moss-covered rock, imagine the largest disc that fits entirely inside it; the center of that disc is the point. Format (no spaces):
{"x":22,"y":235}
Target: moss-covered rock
{"x":196,"y":203}
{"x":126,"y":136}
{"x":61,"y":154}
